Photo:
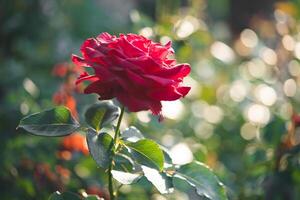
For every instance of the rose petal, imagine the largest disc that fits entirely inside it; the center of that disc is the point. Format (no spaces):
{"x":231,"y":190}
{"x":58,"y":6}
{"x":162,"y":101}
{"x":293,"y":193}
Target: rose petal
{"x":166,"y":94}
{"x":130,"y":50}
{"x":183,"y":90}
{"x":148,"y":64}
{"x":105,"y":90}
{"x":177,"y":72}
{"x":134,"y":69}
{"x":105,"y":37}
{"x":159,"y":52}
{"x":90,"y":53}
{"x":159,"y":80}
{"x":78,"y":60}
{"x":134,"y":104}
{"x":85,"y":76}
{"x":170,"y":62}
{"x":137,"y":79}
{"x":90,"y":43}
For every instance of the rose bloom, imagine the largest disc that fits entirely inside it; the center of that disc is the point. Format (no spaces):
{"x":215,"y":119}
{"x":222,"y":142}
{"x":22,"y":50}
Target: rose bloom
{"x":133,"y":69}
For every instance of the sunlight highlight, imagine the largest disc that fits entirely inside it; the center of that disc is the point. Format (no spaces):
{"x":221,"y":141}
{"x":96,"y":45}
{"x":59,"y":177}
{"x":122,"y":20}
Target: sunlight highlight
{"x":294,"y":68}
{"x":172,"y":109}
{"x":297,"y":50}
{"x":238,"y":91}
{"x":265,"y":94}
{"x":258,"y":114}
{"x":204,"y":130}
{"x":146,"y":32}
{"x":31,"y":87}
{"x":213,"y":114}
{"x":249,"y":38}
{"x":188,"y":25}
{"x":257,"y":68}
{"x":288,"y":42}
{"x":269,"y":56}
{"x":249,"y":131}
{"x":222,"y":52}
{"x":181,"y":154}
{"x":143,"y":116}
{"x":290,"y":87}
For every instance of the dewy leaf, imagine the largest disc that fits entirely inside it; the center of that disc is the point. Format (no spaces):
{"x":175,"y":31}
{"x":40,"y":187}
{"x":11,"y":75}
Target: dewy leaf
{"x":147,"y":152}
{"x":132,"y":134}
{"x":64,"y":196}
{"x":125,"y":177}
{"x":54,"y":122}
{"x":100,"y":147}
{"x":203,"y":180}
{"x":101,"y":114}
{"x":160,"y":180}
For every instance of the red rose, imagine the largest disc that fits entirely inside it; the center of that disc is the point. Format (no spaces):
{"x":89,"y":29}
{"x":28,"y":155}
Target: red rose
{"x":134,"y":69}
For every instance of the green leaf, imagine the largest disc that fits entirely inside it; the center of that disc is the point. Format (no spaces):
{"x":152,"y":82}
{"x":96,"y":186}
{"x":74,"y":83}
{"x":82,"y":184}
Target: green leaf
{"x":101,"y":114}
{"x":125,"y":170}
{"x":147,"y":152}
{"x":132,"y":134}
{"x":203,"y":180}
{"x":126,"y":177}
{"x":168,"y":162}
{"x":274,"y":131}
{"x":93,"y":197}
{"x":64,"y":196}
{"x":123,"y":163}
{"x":54,"y":122}
{"x":100,"y":147}
{"x":160,"y":180}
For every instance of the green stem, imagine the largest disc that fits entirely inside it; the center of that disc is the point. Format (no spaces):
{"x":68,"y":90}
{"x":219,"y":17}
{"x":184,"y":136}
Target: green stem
{"x":110,"y":184}
{"x":113,"y":149}
{"x":117,"y":131}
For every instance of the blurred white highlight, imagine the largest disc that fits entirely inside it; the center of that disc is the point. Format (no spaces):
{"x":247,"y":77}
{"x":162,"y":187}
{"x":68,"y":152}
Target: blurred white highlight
{"x":181,"y":154}
{"x":172,"y":109}
{"x":222,"y":52}
{"x":258,"y":114}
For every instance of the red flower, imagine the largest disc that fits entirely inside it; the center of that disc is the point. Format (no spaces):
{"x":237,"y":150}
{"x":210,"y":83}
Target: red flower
{"x":134,"y":69}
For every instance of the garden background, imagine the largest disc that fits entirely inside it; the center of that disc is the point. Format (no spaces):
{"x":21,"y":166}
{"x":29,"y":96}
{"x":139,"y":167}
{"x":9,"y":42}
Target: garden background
{"x":240,"y":118}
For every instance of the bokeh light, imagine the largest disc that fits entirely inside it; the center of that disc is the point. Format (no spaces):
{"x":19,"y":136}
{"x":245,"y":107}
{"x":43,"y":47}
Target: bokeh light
{"x":258,"y":114}
{"x":222,"y":52}
{"x":249,"y":131}
{"x":265,"y":94}
{"x":173,"y":109}
{"x":249,"y":38}
{"x":181,"y":154}
{"x":290,"y":87}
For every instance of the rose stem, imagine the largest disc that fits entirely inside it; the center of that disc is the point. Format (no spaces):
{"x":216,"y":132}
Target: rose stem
{"x":117,"y":133}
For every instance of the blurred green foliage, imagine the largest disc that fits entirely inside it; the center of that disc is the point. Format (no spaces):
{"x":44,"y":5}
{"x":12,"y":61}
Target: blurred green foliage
{"x":240,"y":117}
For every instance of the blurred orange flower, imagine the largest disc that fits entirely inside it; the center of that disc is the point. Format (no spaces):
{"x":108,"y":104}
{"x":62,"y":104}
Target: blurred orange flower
{"x":64,"y":95}
{"x":75,"y":142}
{"x":96,"y":190}
{"x":63,"y":98}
